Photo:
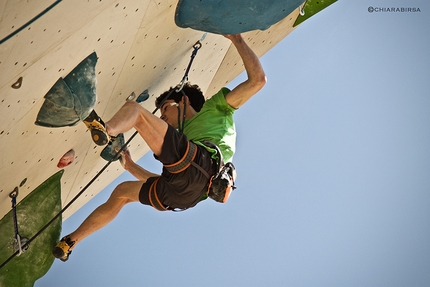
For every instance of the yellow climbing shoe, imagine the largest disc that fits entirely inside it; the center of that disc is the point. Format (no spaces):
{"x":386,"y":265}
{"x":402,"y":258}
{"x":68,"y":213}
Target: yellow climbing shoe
{"x":97,"y":128}
{"x":63,"y":249}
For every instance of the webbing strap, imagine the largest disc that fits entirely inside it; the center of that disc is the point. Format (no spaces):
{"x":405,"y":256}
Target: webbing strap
{"x":153,"y":197}
{"x":185,"y":161}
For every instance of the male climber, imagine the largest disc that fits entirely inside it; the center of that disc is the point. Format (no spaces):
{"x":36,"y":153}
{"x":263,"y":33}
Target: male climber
{"x":189,"y":156}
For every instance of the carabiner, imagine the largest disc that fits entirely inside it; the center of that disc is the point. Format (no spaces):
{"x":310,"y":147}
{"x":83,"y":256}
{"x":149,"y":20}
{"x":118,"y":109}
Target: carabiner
{"x":14,"y":193}
{"x":181,"y":84}
{"x":197,"y":45}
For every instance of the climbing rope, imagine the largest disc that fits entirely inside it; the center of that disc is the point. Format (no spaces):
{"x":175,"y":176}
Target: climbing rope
{"x":30,"y":22}
{"x":181,"y":124}
{"x":25,"y":244}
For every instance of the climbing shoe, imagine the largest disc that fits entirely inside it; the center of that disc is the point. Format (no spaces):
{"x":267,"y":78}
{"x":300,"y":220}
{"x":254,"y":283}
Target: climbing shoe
{"x":97,"y":128}
{"x":63,"y":248}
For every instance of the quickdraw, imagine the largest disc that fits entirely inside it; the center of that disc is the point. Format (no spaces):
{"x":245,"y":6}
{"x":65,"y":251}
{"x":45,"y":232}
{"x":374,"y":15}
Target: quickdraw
{"x":21,"y":244}
{"x":196,"y":47}
{"x":181,"y":84}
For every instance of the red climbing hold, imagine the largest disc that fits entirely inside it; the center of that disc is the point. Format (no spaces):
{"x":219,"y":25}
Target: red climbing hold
{"x":66,"y":159}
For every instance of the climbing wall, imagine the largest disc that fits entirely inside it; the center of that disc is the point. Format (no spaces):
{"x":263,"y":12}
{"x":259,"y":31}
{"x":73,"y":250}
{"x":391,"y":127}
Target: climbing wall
{"x":39,"y":207}
{"x":138,"y":46}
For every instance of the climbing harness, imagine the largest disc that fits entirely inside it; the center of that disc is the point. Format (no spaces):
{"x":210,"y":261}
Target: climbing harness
{"x":21,"y":243}
{"x":196,"y":47}
{"x":153,"y":197}
{"x":185,"y":161}
{"x":221,"y":183}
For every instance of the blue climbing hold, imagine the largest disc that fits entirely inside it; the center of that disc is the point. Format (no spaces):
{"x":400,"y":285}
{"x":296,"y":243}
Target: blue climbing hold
{"x":71,"y":99}
{"x":232,"y":16}
{"x":110,"y":152}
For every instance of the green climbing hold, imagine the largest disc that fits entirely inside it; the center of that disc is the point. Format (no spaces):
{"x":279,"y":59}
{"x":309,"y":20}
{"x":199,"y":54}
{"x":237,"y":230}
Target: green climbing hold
{"x":33,"y":213}
{"x":312,"y":7}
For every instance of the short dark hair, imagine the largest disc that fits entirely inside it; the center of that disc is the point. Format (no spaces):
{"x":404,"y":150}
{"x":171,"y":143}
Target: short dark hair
{"x":192,"y":91}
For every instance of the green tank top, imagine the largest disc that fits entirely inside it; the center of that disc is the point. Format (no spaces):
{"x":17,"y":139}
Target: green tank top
{"x":214,"y":123}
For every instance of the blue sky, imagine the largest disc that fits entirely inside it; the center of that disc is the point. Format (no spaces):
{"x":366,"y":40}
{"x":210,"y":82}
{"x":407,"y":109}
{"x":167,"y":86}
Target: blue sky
{"x":333,"y":160}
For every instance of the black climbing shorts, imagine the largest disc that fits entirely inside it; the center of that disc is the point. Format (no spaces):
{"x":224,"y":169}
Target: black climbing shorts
{"x":185,"y":189}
